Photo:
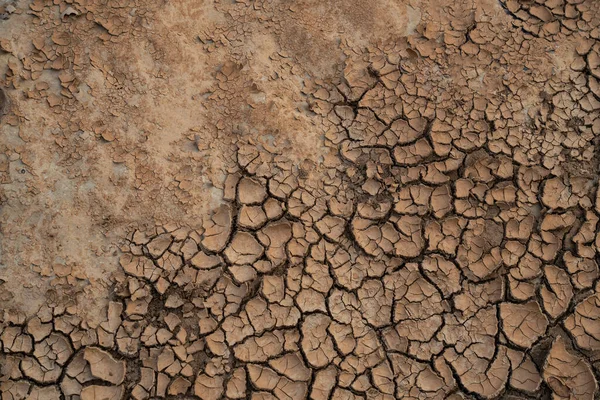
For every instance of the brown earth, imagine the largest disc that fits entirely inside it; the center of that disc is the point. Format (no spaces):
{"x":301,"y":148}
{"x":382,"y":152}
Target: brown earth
{"x":299,"y":199}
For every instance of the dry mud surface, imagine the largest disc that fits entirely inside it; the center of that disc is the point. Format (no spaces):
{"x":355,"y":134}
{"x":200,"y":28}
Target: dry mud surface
{"x":275,"y":199}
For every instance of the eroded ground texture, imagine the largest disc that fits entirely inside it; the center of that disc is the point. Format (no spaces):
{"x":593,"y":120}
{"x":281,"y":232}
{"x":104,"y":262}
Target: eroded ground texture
{"x":274,"y":199}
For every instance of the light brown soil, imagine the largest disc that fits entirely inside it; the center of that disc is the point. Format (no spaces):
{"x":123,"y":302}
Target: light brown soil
{"x":299,"y":199}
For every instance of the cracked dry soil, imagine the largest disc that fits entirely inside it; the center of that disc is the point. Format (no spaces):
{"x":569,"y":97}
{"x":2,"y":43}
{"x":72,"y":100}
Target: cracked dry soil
{"x":276,"y":199}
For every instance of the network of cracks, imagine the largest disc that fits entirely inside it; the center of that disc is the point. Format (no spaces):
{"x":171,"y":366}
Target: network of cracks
{"x":446,"y":247}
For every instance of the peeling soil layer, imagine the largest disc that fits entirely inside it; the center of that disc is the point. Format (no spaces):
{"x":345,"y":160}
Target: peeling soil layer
{"x":299,"y":199}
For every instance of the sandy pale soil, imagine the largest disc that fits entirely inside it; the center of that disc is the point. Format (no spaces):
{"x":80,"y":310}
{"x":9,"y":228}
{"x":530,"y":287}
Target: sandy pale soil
{"x":299,"y":199}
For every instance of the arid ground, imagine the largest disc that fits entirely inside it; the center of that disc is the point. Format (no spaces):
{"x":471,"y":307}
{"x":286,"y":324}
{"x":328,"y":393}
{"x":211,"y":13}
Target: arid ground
{"x":299,"y":199}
